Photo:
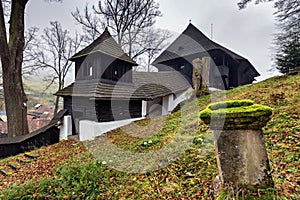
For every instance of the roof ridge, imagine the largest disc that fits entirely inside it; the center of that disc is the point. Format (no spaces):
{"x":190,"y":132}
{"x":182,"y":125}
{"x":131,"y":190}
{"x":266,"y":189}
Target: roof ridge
{"x":198,"y":37}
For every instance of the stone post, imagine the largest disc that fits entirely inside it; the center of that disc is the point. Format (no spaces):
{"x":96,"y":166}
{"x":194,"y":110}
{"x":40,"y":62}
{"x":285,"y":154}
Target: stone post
{"x":201,"y":75}
{"x":197,"y":78}
{"x":239,"y":142}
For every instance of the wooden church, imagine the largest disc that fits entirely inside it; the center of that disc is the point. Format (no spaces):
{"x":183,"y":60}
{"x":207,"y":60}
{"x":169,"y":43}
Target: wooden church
{"x":107,"y":89}
{"x":227,"y":69}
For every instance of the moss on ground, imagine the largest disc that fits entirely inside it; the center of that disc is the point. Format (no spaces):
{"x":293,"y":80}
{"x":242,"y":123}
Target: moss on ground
{"x":231,"y":104}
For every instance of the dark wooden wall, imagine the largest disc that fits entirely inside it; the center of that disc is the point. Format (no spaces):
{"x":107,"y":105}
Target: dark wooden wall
{"x":181,"y":65}
{"x":68,"y":104}
{"x":101,"y":66}
{"x":117,"y":110}
{"x":82,"y":108}
{"x":154,"y":107}
{"x":246,"y":73}
{"x":225,"y":72}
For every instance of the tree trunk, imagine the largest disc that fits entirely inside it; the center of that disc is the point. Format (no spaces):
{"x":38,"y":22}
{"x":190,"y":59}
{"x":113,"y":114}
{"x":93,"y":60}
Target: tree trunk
{"x":56,"y":105}
{"x":12,"y":58}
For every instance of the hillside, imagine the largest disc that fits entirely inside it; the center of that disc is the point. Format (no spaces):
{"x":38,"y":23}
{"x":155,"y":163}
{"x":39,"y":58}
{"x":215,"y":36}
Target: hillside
{"x":67,"y":171}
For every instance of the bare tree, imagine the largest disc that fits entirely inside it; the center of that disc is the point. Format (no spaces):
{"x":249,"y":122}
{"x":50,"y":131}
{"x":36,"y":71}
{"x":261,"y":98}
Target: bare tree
{"x":31,"y":43}
{"x":11,"y":59}
{"x":91,"y":24}
{"x":126,"y":19}
{"x":12,"y":43}
{"x":54,"y":49}
{"x":152,"y":42}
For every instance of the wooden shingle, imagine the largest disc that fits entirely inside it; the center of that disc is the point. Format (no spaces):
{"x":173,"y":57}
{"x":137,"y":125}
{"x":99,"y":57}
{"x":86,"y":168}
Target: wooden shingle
{"x":145,"y":86}
{"x":104,"y":44}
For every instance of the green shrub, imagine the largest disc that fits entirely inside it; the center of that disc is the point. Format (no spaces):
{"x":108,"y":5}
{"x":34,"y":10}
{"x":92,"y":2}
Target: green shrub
{"x":74,"y":181}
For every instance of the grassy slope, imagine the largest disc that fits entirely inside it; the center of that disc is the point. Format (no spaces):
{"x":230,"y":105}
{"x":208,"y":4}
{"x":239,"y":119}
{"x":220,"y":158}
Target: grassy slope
{"x":188,"y":177}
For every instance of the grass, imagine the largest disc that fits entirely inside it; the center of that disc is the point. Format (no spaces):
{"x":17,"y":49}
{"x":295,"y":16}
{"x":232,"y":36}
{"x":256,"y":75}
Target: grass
{"x":76,"y":174}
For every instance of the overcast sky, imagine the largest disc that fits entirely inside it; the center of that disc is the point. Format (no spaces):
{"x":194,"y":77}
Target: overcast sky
{"x":248,"y":32}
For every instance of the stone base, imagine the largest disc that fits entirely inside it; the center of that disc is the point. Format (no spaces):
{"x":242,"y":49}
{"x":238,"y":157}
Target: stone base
{"x":242,"y":158}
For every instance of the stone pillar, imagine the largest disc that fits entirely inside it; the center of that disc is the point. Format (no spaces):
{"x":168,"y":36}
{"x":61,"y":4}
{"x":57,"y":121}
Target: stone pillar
{"x":201,"y":75}
{"x":205,"y":70}
{"x":197,"y":79}
{"x":240,"y":148}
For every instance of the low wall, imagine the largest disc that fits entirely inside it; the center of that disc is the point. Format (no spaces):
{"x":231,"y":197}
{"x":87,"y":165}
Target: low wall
{"x":42,"y":137}
{"x":88,"y":130}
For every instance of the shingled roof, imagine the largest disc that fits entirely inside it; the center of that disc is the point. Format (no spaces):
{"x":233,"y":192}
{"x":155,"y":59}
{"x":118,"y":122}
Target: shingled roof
{"x":159,"y":84}
{"x":192,"y":41}
{"x":104,"y":44}
{"x":145,"y":86}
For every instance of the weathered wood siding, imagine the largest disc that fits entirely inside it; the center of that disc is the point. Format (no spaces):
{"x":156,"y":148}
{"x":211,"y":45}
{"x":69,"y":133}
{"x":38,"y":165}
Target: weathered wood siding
{"x":117,"y":110}
{"x":154,"y":107}
{"x":102,"y":110}
{"x":68,"y":104}
{"x":101,"y":66}
{"x":225,"y":72}
{"x":181,"y":65}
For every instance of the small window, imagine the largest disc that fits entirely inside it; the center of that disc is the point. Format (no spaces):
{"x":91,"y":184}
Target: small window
{"x":91,"y":71}
{"x":115,"y":75}
{"x":181,"y":67}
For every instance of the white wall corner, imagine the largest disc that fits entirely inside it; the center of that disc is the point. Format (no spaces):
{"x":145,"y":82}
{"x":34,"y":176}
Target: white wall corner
{"x":66,"y":128}
{"x":144,"y":108}
{"x":171,"y":102}
{"x":87,"y":130}
{"x":165,"y":105}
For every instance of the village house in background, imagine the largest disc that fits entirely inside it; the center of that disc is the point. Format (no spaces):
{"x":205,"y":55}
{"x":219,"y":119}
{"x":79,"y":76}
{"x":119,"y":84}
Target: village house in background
{"x":40,"y":117}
